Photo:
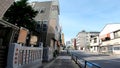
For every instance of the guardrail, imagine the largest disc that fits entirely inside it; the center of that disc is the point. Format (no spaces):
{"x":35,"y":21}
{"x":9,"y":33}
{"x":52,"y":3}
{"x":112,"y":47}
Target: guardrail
{"x":84,"y":63}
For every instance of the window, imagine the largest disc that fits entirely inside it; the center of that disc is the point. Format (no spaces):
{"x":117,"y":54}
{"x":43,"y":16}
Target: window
{"x":44,"y":25}
{"x":92,"y":36}
{"x":39,"y":22}
{"x":38,"y":28}
{"x":95,"y":40}
{"x":45,"y":22}
{"x":116,"y":48}
{"x":56,"y":28}
{"x":117,"y":34}
{"x":41,"y":10}
{"x":44,"y":29}
{"x":105,"y":39}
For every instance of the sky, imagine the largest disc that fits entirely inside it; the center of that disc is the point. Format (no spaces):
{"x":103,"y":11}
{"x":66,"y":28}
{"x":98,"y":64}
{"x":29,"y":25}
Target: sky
{"x":88,"y":15}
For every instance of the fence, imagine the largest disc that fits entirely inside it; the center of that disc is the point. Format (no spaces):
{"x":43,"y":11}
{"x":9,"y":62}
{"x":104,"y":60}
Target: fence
{"x":47,"y":54}
{"x":84,"y":63}
{"x":24,"y":57}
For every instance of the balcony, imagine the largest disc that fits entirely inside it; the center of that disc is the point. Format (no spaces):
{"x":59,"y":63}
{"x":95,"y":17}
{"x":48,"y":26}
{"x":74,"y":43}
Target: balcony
{"x":111,"y":42}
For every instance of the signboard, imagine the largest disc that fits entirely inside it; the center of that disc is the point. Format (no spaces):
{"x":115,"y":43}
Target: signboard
{"x":22,"y":35}
{"x":33,"y":40}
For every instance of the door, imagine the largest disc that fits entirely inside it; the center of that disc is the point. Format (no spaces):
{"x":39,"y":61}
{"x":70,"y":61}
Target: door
{"x":5,"y":35}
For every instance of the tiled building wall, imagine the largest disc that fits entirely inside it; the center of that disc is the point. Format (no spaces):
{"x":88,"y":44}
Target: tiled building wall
{"x":4,"y":5}
{"x":38,"y":6}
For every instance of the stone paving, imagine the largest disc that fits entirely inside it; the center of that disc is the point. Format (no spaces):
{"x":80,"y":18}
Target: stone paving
{"x":62,"y":61}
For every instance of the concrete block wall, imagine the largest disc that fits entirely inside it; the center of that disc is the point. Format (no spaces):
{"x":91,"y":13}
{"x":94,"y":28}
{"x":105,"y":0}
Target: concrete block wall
{"x":24,"y":57}
{"x":48,"y":54}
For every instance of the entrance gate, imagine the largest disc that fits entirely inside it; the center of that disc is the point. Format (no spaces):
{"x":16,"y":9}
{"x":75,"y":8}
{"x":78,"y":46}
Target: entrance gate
{"x":6,"y":37}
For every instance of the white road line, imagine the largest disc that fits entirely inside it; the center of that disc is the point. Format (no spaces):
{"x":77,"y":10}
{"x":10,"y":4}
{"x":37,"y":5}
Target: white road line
{"x":114,"y":61}
{"x":101,"y":58}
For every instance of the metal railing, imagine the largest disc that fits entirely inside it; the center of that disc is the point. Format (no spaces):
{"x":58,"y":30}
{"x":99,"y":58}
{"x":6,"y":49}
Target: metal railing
{"x":84,"y":63}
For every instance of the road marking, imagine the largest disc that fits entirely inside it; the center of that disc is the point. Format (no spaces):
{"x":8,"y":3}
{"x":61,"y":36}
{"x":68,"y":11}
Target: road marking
{"x":114,"y":60}
{"x":100,"y":58}
{"x":108,"y":59}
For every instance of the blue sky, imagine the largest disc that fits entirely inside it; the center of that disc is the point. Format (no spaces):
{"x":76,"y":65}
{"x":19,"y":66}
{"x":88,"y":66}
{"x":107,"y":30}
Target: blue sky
{"x":89,"y":15}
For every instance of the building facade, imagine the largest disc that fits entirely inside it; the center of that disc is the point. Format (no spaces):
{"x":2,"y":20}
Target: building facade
{"x":95,"y":44}
{"x":63,"y":39}
{"x":83,"y":39}
{"x":48,"y":20}
{"x":73,"y":42}
{"x":48,"y":24}
{"x":68,"y":43}
{"x":110,"y":37}
{"x":42,"y":18}
{"x":91,"y":35}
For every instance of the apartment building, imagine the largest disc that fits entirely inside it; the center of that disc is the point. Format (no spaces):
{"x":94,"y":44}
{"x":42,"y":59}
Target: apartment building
{"x":83,"y":39}
{"x":91,"y":35}
{"x":48,"y":24}
{"x":68,"y":43}
{"x":95,"y":44}
{"x":110,"y":37}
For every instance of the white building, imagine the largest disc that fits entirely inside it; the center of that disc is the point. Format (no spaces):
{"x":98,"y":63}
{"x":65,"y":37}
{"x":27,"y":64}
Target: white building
{"x":83,"y":39}
{"x":95,"y":44}
{"x":110,"y":37}
{"x":68,"y":43}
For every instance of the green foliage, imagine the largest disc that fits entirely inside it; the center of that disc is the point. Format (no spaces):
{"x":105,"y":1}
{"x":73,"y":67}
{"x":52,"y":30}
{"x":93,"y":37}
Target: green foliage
{"x":21,"y":14}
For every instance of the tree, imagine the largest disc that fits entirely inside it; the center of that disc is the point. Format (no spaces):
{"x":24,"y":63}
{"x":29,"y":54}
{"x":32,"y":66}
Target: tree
{"x":21,"y":14}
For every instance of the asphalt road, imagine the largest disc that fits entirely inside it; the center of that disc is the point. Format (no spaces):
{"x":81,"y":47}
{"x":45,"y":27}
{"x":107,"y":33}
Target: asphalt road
{"x":105,"y":61}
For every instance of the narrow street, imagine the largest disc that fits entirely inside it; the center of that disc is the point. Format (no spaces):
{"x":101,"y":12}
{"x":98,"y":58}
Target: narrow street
{"x":61,"y":61}
{"x":105,"y":61}
{"x":59,"y":33}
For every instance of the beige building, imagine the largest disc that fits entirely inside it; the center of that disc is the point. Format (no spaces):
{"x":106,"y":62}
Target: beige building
{"x":81,"y":40}
{"x":48,"y":24}
{"x":4,"y":5}
{"x":63,"y":39}
{"x":48,"y":20}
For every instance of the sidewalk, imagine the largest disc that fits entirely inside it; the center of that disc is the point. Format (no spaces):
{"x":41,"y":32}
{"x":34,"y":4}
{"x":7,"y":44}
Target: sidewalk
{"x":62,"y":61}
